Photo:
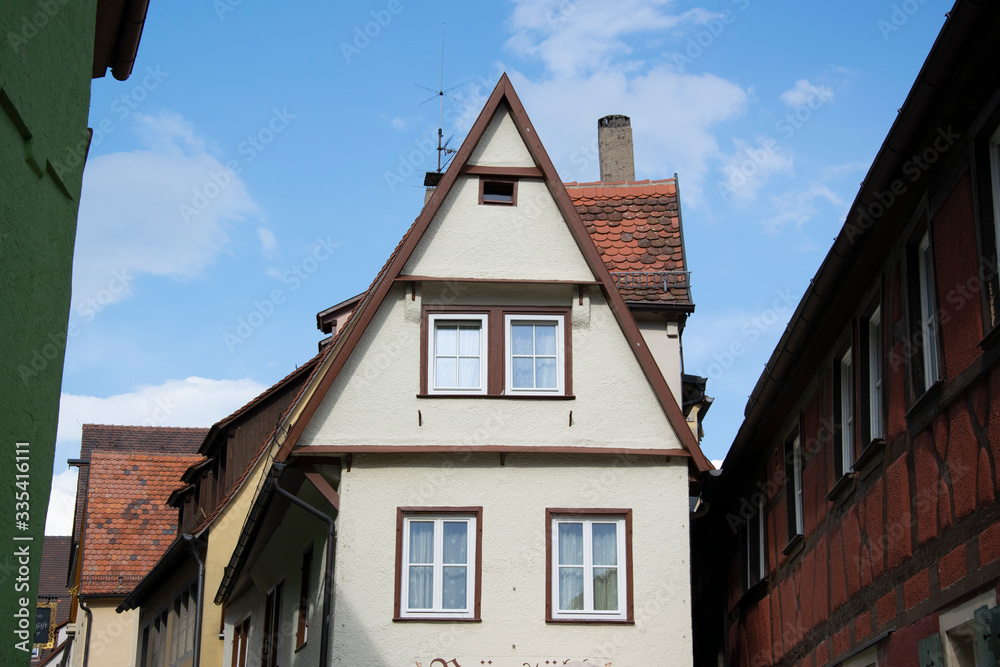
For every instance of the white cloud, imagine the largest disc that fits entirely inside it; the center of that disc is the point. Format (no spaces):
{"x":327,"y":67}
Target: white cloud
{"x":400,"y":123}
{"x":194,"y":401}
{"x":588,"y":54}
{"x":806,"y":93}
{"x":751,"y":166}
{"x":132,"y":215}
{"x":797,"y":208}
{"x":717,"y":463}
{"x":573,"y":37}
{"x":267,"y":240}
{"x":62,"y":502}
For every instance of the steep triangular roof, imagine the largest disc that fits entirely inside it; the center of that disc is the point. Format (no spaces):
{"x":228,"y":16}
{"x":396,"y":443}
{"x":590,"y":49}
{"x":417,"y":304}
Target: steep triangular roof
{"x":340,"y":351}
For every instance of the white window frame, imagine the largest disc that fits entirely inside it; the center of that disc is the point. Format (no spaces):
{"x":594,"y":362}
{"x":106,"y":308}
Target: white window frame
{"x":753,"y":578}
{"x":559,"y":320}
{"x":797,"y":480}
{"x":589,"y":613}
{"x":876,"y":408}
{"x":437,"y":610}
{"x":433,"y":320}
{"x":846,"y":370}
{"x":928,"y":312}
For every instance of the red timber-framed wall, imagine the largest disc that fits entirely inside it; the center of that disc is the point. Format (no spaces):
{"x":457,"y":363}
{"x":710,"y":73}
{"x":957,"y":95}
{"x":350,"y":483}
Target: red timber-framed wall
{"x":894,"y":556}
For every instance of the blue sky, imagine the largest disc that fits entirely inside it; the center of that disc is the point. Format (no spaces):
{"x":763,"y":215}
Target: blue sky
{"x":265,"y":158}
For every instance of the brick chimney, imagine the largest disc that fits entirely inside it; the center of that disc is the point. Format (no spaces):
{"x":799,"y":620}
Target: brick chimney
{"x":614,"y":142}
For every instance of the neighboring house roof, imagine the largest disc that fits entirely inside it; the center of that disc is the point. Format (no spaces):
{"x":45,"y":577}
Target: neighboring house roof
{"x":636,"y":227}
{"x":129,"y":524}
{"x":177,"y":548}
{"x":110,"y":438}
{"x":340,"y":350}
{"x":52,"y":574}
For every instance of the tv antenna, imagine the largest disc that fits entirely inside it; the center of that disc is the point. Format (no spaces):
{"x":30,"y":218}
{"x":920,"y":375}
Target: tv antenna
{"x":440,"y":93}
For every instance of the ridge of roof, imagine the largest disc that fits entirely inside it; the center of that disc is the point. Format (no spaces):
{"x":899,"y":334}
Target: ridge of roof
{"x":340,"y":350}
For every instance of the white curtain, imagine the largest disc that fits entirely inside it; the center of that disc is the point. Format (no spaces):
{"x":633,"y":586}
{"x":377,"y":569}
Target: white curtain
{"x":570,"y":578}
{"x":605,"y":546}
{"x":421,"y":575}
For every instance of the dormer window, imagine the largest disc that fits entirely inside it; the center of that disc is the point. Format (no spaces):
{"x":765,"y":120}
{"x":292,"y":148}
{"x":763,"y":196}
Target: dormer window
{"x":498,"y":190}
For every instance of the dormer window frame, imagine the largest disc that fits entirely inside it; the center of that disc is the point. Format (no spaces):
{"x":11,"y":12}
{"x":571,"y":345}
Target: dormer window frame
{"x":491,"y":181}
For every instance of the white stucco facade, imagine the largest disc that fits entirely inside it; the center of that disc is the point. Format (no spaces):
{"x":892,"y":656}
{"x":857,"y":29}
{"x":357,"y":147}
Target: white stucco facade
{"x":518,"y":257}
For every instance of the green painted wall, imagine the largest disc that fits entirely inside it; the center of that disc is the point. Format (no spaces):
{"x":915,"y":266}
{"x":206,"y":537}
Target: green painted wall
{"x":46,"y":56}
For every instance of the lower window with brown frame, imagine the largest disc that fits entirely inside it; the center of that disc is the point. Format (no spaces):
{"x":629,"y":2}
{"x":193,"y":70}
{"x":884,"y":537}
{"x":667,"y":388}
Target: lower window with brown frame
{"x":589,"y":565}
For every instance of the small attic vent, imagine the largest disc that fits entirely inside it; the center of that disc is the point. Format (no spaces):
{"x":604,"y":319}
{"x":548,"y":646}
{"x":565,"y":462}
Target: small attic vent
{"x":493,"y":190}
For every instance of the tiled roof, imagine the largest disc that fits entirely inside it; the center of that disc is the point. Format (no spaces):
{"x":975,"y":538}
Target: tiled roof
{"x":107,"y":437}
{"x":636,"y":227}
{"x":129,"y":524}
{"x":52,"y":575}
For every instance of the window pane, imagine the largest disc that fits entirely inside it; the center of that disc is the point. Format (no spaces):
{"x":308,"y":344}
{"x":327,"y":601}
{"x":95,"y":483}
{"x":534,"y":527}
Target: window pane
{"x":545,"y":373}
{"x":468,"y":372}
{"x":571,"y":544}
{"x":454,"y":594}
{"x":446,"y":372}
{"x":571,"y":588}
{"x":605,"y":544}
{"x":421,"y":587}
{"x":447,"y":339}
{"x":468,"y":340}
{"x":456,"y":541}
{"x":520,"y":338}
{"x":605,"y":589}
{"x":522,"y":368}
{"x":421,"y":542}
{"x":545,"y":339}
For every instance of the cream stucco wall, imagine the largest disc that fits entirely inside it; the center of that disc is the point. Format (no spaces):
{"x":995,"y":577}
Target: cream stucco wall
{"x":514,"y":498}
{"x":664,"y":341}
{"x":467,"y":239}
{"x":281,"y":561}
{"x":614,"y":406}
{"x":501,"y":145}
{"x":113,"y":636}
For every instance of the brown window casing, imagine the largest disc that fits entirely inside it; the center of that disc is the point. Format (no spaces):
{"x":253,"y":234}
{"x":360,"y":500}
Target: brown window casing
{"x":240,"y":633}
{"x":403,"y":512}
{"x":550,"y":514}
{"x":496,"y":359}
{"x":498,"y":190}
{"x":986,"y":172}
{"x":845,"y":431}
{"x":918,"y":382}
{"x":303,"y":623}
{"x":272,"y":627}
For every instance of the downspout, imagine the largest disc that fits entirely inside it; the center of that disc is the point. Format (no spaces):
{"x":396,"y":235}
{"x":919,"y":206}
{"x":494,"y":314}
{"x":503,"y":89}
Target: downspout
{"x":331,"y":545}
{"x":90,"y":622}
{"x":201,"y":593}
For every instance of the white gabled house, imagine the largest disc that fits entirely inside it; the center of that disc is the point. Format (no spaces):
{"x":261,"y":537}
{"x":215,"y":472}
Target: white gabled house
{"x":487,"y":458}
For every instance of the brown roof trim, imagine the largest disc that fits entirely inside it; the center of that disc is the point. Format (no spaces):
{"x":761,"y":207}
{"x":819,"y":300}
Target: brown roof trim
{"x":118,"y":29}
{"x":519,"y":172}
{"x":495,"y":281}
{"x":502,"y":94}
{"x":507,"y":449}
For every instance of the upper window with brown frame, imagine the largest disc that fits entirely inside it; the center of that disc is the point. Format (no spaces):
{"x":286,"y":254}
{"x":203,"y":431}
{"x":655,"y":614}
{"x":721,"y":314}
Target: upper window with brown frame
{"x":438,"y":563}
{"x":496,"y":351}
{"x":987,"y":169}
{"x":498,"y":190}
{"x":589,"y":565}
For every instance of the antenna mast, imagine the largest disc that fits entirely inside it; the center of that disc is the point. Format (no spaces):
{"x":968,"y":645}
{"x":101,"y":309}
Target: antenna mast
{"x":441,"y":93}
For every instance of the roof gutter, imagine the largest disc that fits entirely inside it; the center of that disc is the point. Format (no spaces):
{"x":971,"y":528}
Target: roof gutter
{"x":947,"y":49}
{"x":127,"y":41}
